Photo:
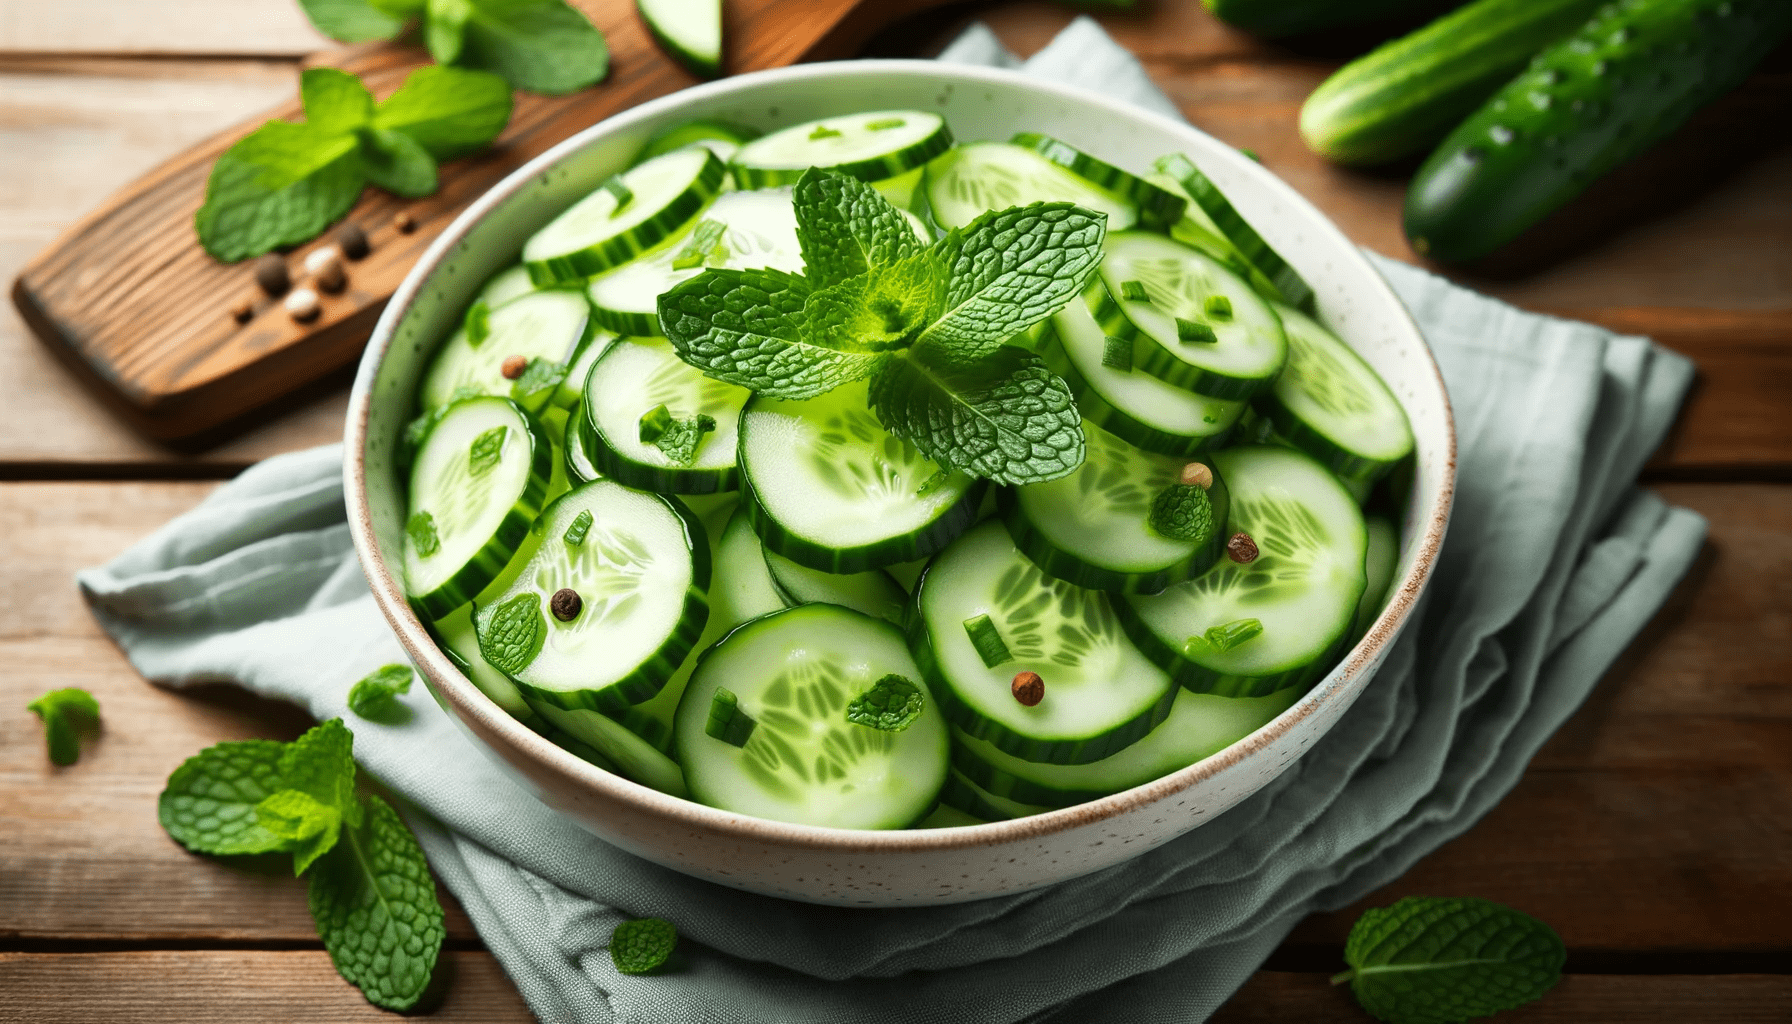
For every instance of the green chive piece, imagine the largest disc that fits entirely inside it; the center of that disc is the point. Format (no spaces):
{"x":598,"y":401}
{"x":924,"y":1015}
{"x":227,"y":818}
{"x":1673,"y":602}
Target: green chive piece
{"x":1218,"y":306}
{"x":581,"y":525}
{"x":822,"y":131}
{"x":623,"y":194}
{"x":1116,"y":354}
{"x":1189,"y":332}
{"x":727,"y":722}
{"x":988,"y":641}
{"x":885,"y":123}
{"x":479,"y":323}
{"x":1134,"y":291}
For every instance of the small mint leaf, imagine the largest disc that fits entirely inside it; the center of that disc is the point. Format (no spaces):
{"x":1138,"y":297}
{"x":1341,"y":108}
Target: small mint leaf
{"x":581,"y":525}
{"x":1182,"y":512}
{"x":66,"y":714}
{"x":539,"y":380}
{"x":308,"y":827}
{"x":705,"y":240}
{"x":653,"y":423}
{"x":891,"y":705}
{"x":1427,"y":960}
{"x":321,"y":764}
{"x":543,"y":46}
{"x":280,"y":185}
{"x":880,"y":310}
{"x":642,"y":946}
{"x":352,"y":21}
{"x":447,"y":111}
{"x":374,"y":696}
{"x":846,"y":227}
{"x":511,"y":635}
{"x":335,"y":102}
{"x":209,"y":803}
{"x":486,"y":451}
{"x":678,"y":438}
{"x":375,"y":907}
{"x":396,"y":162}
{"x":421,"y":528}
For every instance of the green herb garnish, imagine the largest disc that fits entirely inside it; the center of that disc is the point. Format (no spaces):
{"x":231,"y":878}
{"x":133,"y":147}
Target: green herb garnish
{"x":891,"y":704}
{"x":822,"y":131}
{"x":885,"y":123}
{"x":642,"y":946}
{"x":987,"y":640}
{"x":1222,"y":638}
{"x":1191,"y":333}
{"x":513,"y":636}
{"x":375,"y":697}
{"x":478,"y":323}
{"x":622,"y":193}
{"x":486,"y":451}
{"x":677,"y":438}
{"x":1218,"y":306}
{"x":1429,"y":960}
{"x":1134,"y":291}
{"x":704,"y":245}
{"x":421,"y":528}
{"x":581,"y":525}
{"x":539,"y":380}
{"x":1116,"y":353}
{"x":541,"y":46}
{"x":1182,"y":512}
{"x":66,"y":715}
{"x":727,"y":721}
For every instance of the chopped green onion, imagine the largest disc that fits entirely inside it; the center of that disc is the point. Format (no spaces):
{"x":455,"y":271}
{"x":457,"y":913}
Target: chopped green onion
{"x":988,"y":641}
{"x":1222,"y":638}
{"x":581,"y":525}
{"x":1116,"y":354}
{"x":1134,"y":291}
{"x":887,"y":122}
{"x":727,"y":722}
{"x":822,"y":131}
{"x":623,"y":194}
{"x":1190,"y":332}
{"x":1218,"y":306}
{"x":479,"y":323}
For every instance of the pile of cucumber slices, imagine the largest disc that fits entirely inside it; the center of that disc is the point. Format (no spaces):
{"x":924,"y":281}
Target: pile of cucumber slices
{"x":778,"y":608}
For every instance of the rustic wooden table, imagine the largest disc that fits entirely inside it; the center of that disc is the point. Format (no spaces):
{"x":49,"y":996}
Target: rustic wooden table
{"x":1654,"y":832}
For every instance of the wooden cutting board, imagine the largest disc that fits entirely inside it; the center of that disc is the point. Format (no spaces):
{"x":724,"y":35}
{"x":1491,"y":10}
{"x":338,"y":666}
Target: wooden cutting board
{"x":128,"y":299}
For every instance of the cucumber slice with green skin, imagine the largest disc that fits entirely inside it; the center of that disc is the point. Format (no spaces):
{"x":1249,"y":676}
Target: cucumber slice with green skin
{"x":1303,"y":586}
{"x":1378,"y":564}
{"x":872,"y":147}
{"x":1232,"y":225}
{"x":479,"y":513}
{"x":1158,"y":208}
{"x":828,"y":487}
{"x":1199,"y":726}
{"x":513,"y":283}
{"x":1333,"y":406}
{"x":597,"y":233}
{"x":1101,"y":694}
{"x":572,"y":388}
{"x":743,"y":588}
{"x":574,"y":746}
{"x":1134,"y":406}
{"x":456,"y":637}
{"x":1595,"y":99}
{"x":548,"y":325}
{"x":961,"y":793}
{"x":1092,"y":528}
{"x":1180,"y":282}
{"x":638,"y":375}
{"x":901,"y":191}
{"x":1198,"y":231}
{"x":760,"y":232}
{"x":874,"y":593}
{"x":970,"y":180}
{"x":690,"y":31}
{"x":723,"y":138}
{"x":641,"y":572}
{"x":576,"y":464}
{"x":793,"y":673}
{"x":633,"y":757}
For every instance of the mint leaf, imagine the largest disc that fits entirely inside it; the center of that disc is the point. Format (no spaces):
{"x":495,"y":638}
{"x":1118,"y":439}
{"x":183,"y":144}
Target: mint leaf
{"x":396,"y":162}
{"x":486,"y":451}
{"x":209,"y":803}
{"x":335,"y":101}
{"x":280,"y":185}
{"x":891,"y":705}
{"x":539,"y":380}
{"x":1008,"y":418}
{"x":581,"y":525}
{"x":321,"y":764}
{"x":375,"y":907}
{"x":307,"y":826}
{"x":748,"y":328}
{"x":536,"y":45}
{"x":514,"y":633}
{"x":640,"y":947}
{"x":421,"y":528}
{"x":1010,"y":269}
{"x":1427,"y":960}
{"x":677,"y":438}
{"x":704,"y":242}
{"x":445,"y":28}
{"x":374,"y":696}
{"x":846,"y":227}
{"x":447,"y":111}
{"x":1182,"y":512}
{"x":880,"y":310}
{"x":66,"y":713}
{"x":351,"y":21}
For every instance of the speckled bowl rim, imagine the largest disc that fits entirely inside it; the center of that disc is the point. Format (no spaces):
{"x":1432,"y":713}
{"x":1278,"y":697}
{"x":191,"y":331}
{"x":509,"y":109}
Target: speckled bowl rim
{"x":469,"y":701}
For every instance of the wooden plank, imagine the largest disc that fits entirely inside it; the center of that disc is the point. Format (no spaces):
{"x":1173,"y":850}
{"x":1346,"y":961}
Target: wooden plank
{"x":1274,"y":997}
{"x":262,"y":28}
{"x":230,"y":986}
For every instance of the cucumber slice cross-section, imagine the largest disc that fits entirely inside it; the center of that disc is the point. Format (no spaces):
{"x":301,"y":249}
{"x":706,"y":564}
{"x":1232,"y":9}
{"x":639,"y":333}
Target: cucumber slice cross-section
{"x":553,"y":326}
{"x":631,"y":380}
{"x":872,"y":147}
{"x":690,"y":31}
{"x":1220,"y":212}
{"x":1158,"y":207}
{"x":627,"y":216}
{"x":970,"y":180}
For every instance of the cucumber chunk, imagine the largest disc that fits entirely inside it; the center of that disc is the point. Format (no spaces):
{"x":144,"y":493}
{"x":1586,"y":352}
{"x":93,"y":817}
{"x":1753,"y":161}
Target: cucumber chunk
{"x":828,"y":487}
{"x":759,"y":230}
{"x":603,"y":230}
{"x":553,"y":326}
{"x":1161,"y":295}
{"x":1093,"y":527}
{"x":477,"y":484}
{"x":970,"y":180}
{"x":507,"y":284}
{"x":633,"y":379}
{"x":1303,"y":587}
{"x":794,"y":673}
{"x":1330,"y":404}
{"x":1204,"y":193}
{"x":577,"y":464}
{"x":632,"y":757}
{"x":1158,"y":207}
{"x":690,"y":31}
{"x":871,"y":147}
{"x":1378,"y":564}
{"x":872,"y":593}
{"x":1100,"y":692}
{"x":638,"y":565}
{"x":578,"y":371}
{"x":1199,"y":726}
{"x":962,"y":794}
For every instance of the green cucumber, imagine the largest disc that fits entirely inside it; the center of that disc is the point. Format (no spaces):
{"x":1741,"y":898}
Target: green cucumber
{"x":723,"y":138}
{"x":1158,"y":207}
{"x":874,"y":146}
{"x":968,"y":181}
{"x":1406,"y":95}
{"x":507,"y":284}
{"x":1202,"y":192}
{"x":457,"y":639}
{"x":628,"y":383}
{"x":549,"y":326}
{"x":626,"y":216}
{"x":961,"y":794}
{"x":578,"y":468}
{"x":1627,"y":79}
{"x":875,"y":592}
{"x":1379,"y":565}
{"x":690,"y":31}
{"x":628,"y":754}
{"x":1273,"y":18}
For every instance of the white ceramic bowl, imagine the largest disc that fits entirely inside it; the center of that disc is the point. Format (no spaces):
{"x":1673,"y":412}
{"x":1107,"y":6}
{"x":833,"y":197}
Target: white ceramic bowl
{"x":908,"y":867}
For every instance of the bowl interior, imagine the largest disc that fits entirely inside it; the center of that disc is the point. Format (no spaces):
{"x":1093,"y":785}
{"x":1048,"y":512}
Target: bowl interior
{"x":1353,"y":300}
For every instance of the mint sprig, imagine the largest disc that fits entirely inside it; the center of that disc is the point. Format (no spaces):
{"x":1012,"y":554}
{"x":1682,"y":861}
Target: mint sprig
{"x":544,"y":46}
{"x":375,"y":696}
{"x":66,"y":714}
{"x":374,"y":905}
{"x":1428,"y":960}
{"x":929,"y":325}
{"x":286,"y":182}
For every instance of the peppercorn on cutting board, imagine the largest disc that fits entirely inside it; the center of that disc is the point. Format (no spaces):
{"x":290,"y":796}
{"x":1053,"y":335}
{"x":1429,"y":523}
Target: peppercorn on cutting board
{"x":129,"y":300}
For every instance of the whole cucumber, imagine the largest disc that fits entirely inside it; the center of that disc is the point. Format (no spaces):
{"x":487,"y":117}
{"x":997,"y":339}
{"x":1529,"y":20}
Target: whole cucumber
{"x":1271,"y":18}
{"x":1408,"y":93}
{"x":1625,"y":80}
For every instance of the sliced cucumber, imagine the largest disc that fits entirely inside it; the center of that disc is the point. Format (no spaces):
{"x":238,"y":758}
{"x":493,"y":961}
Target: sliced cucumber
{"x":690,"y":31}
{"x":828,"y":487}
{"x":1100,"y":692}
{"x":759,"y":230}
{"x":603,"y":230}
{"x":577,"y":465}
{"x":1331,"y":405}
{"x":872,"y":593}
{"x":743,"y":588}
{"x":1303,"y":588}
{"x":634,"y":378}
{"x":457,"y":638}
{"x":1158,"y":207}
{"x":1133,"y":405}
{"x":634,"y":758}
{"x":961,"y":793}
{"x":477,"y":484}
{"x":901,"y":191}
{"x":972,"y":179}
{"x":572,"y":388}
{"x":873,"y":147}
{"x":549,"y":325}
{"x":792,"y":674}
{"x":512,"y":283}
{"x":638,"y":565}
{"x":1197,"y":230}
{"x":1378,"y":564}
{"x":1199,"y":726}
{"x":1192,"y":322}
{"x":1093,"y":527}
{"x":1231,"y":224}
{"x":723,"y":138}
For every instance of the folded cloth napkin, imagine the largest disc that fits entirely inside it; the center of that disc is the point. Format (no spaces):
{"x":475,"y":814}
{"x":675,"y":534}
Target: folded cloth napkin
{"x":1554,"y":561}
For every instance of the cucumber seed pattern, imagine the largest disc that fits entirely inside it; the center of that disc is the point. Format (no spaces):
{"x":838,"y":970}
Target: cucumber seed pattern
{"x":804,"y":738}
{"x":1323,"y":377}
{"x":1048,"y":620}
{"x":855,"y":457}
{"x":1174,"y":286}
{"x":1119,"y":477}
{"x":605,"y":571}
{"x":461,"y":498}
{"x":1288,"y":536}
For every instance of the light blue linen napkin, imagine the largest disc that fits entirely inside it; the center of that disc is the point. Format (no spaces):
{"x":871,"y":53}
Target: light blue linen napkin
{"x":1554,"y":561}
